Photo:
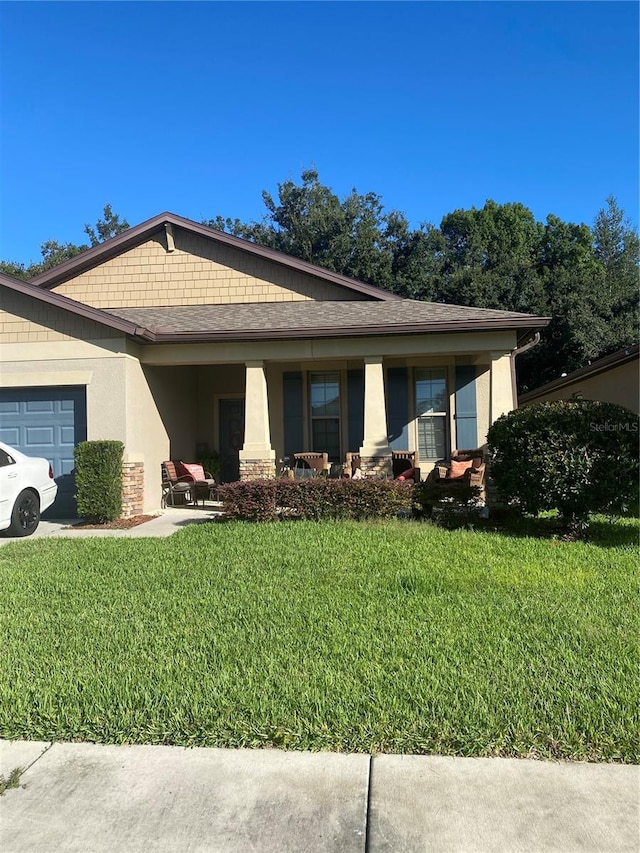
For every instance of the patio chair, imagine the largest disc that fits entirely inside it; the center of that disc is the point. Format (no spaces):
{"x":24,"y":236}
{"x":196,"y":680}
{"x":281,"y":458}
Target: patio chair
{"x":176,"y":490}
{"x":204,"y":483}
{"x":466,"y":467}
{"x":352,"y":463}
{"x":404,"y":464}
{"x":310,"y":464}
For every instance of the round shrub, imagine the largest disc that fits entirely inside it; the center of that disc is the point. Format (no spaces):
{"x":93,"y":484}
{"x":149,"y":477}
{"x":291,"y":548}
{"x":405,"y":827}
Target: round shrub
{"x":578,"y":456}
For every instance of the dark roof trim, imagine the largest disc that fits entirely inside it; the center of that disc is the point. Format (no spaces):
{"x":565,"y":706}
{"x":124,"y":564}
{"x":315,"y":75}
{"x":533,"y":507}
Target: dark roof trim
{"x":615,"y":359}
{"x":132,"y":236}
{"x":79,"y":308}
{"x":528,"y":324}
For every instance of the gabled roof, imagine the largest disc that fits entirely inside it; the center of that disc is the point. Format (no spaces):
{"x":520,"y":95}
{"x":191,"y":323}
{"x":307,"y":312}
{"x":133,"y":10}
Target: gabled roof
{"x":140,"y":233}
{"x":601,"y":365}
{"x":280,"y":320}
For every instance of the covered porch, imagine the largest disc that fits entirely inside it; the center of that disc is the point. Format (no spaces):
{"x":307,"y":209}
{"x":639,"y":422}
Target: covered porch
{"x":253,"y":413}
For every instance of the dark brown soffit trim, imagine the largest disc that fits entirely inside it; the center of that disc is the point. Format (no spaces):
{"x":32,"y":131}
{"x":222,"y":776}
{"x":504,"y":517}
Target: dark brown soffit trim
{"x":117,"y":245}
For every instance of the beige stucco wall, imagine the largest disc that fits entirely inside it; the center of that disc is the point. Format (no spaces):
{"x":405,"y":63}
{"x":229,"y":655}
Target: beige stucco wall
{"x":199,"y":271}
{"x":618,"y":385}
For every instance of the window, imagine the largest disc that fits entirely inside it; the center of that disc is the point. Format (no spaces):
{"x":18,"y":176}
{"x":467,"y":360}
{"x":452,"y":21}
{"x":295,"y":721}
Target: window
{"x":431,"y":411}
{"x":324,"y":396}
{"x":6,"y":459}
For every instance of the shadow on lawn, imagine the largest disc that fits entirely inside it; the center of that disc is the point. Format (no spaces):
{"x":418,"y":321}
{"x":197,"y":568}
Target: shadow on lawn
{"x":602,"y":531}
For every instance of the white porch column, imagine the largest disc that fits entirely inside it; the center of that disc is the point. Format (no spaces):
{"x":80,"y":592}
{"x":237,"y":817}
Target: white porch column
{"x":257,"y":458}
{"x":375,"y":452}
{"x":501,"y":390}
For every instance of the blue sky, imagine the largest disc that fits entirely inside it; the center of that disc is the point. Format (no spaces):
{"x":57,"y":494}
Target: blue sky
{"x":197,"y":107}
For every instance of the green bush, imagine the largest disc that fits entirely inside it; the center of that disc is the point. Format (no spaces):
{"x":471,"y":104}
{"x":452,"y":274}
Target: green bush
{"x":454,"y":503}
{"x":316,"y":499}
{"x":578,"y":456}
{"x":210,"y":461}
{"x":99,"y":479}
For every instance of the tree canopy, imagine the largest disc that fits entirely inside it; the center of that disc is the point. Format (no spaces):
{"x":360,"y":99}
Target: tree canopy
{"x":499,"y":256}
{"x":54,"y":253}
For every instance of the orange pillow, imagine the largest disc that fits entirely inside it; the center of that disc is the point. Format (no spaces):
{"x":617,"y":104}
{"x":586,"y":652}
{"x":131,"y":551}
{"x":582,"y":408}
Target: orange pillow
{"x":457,"y":469}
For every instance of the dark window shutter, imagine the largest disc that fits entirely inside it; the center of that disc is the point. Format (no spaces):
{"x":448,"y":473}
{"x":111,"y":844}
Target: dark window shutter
{"x":466,"y":413}
{"x":292,"y":412}
{"x":398,"y":408}
{"x":355,"y":398}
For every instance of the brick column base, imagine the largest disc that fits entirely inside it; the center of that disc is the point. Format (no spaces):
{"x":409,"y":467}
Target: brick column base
{"x":257,"y":469}
{"x":132,"y":489}
{"x":376,"y":465}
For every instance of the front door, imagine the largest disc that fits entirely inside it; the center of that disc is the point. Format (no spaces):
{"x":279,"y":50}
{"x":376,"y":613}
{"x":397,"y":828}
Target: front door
{"x":231,"y":438}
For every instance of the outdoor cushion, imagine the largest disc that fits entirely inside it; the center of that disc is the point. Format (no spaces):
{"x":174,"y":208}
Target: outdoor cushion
{"x":195,"y":471}
{"x":457,"y":469}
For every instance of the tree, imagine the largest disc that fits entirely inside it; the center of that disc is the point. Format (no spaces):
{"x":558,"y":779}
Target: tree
{"x":54,"y":253}
{"x":570,"y":282}
{"x":491,"y":258}
{"x":617,"y":249}
{"x":106,"y":228}
{"x":353,"y":236}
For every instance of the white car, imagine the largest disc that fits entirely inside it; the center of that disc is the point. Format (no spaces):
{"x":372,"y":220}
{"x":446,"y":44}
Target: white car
{"x":27,"y":488}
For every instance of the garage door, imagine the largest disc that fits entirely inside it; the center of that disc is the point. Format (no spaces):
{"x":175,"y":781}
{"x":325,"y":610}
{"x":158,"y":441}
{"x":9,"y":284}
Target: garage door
{"x":47,"y":422}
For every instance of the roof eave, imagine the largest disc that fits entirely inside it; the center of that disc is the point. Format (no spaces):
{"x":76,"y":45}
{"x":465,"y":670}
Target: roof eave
{"x":530,"y":325}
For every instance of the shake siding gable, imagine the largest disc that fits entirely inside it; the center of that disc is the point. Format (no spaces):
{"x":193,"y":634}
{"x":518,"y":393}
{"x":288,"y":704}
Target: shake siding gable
{"x":199,"y":271}
{"x":25,"y":320}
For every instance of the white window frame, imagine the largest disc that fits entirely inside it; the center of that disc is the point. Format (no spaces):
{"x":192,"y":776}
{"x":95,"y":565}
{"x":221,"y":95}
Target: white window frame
{"x":422,"y":416}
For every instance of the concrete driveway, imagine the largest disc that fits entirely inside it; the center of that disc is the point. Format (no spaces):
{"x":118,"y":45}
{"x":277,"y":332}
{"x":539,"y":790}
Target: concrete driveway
{"x":165,"y":523}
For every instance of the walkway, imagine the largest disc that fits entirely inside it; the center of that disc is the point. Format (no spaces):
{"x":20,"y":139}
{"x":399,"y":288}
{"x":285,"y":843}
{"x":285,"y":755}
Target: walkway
{"x":142,"y":799}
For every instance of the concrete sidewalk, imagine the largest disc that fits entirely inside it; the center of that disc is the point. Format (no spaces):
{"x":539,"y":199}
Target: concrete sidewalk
{"x":165,"y":523}
{"x":134,"y":799}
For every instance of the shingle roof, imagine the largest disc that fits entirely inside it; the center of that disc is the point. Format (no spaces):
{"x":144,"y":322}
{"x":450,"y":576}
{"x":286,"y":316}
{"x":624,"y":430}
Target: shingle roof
{"x":308,"y":318}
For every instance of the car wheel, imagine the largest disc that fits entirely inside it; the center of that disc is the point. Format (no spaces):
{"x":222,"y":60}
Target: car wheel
{"x":26,"y":515}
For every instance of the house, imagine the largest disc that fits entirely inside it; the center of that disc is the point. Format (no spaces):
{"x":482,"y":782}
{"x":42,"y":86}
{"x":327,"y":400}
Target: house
{"x":176,"y":338}
{"x":612,"y":379}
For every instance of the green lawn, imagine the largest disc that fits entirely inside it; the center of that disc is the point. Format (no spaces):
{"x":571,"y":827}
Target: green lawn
{"x":393,"y":637}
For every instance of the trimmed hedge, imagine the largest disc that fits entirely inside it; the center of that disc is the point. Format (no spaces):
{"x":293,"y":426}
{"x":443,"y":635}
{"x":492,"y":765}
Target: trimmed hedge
{"x":455,"y":502}
{"x":99,"y":479}
{"x":316,"y":499}
{"x":578,"y":456}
